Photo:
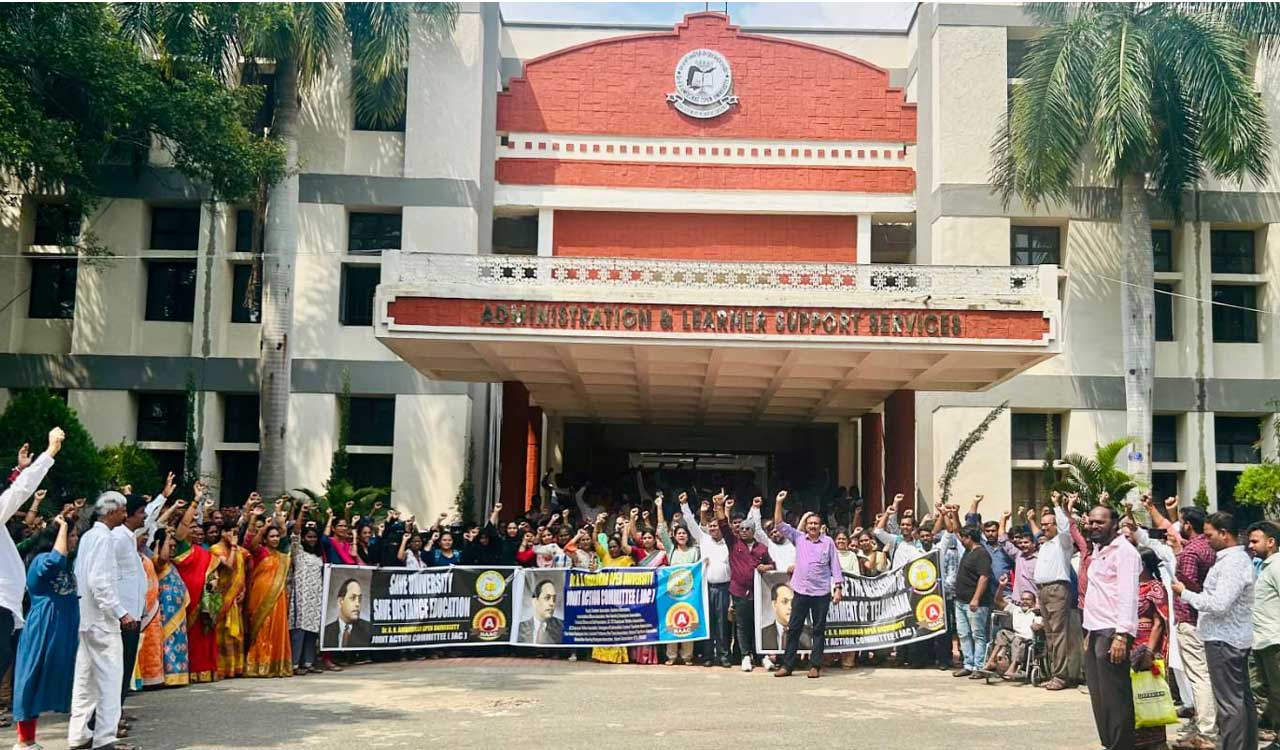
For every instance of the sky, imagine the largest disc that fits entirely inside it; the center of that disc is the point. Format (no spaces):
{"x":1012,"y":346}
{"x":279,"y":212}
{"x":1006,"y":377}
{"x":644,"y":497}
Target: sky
{"x":852,"y":15}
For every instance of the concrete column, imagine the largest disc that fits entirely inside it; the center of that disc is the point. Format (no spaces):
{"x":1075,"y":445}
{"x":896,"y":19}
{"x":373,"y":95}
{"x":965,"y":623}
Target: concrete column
{"x":900,"y":445}
{"x":513,"y":447}
{"x":863,"y":251}
{"x":546,"y":232}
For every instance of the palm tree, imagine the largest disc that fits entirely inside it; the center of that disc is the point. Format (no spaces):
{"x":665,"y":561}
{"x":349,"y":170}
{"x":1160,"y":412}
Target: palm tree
{"x":1090,"y":476}
{"x":1145,"y":98}
{"x":303,"y":40}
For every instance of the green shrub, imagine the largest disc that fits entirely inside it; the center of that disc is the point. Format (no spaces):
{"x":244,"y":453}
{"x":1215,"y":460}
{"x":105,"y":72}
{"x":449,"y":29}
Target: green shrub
{"x":78,"y":471}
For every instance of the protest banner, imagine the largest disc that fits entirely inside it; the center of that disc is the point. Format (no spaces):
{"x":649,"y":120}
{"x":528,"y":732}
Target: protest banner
{"x":374,"y":608}
{"x":564,"y":608}
{"x":901,"y":606}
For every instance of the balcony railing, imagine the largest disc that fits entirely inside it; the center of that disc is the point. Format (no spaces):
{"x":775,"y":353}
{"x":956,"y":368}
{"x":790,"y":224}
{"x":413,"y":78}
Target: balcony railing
{"x":622,"y":279}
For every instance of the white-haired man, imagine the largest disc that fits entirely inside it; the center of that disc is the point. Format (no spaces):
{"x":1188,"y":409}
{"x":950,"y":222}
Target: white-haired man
{"x":95,"y":692}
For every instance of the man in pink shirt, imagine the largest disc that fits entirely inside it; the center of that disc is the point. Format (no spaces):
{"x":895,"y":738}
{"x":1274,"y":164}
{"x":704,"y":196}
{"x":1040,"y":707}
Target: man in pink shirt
{"x":1110,"y":624}
{"x":816,"y":581}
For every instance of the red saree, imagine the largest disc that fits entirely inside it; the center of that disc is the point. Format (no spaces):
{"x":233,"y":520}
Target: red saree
{"x":197,"y":566}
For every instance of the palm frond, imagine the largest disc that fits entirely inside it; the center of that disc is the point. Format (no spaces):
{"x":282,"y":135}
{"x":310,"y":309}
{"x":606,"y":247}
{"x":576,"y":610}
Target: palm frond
{"x":1177,"y":165}
{"x":318,"y":35}
{"x":1258,"y":21}
{"x":1123,"y":126}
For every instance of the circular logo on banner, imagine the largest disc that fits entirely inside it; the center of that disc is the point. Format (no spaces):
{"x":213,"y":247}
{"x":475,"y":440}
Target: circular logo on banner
{"x":931,"y":612}
{"x":679,"y":583}
{"x":682,"y":619}
{"x":490,"y":585}
{"x":922,"y":574}
{"x":704,"y":84}
{"x":489,"y":623}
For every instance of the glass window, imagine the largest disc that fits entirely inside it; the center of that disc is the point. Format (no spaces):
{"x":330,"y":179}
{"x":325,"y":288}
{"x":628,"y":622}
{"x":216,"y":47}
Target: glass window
{"x":1231,"y":251}
{"x":1032,"y":246}
{"x":175,"y":228}
{"x":162,"y":417}
{"x":1030,"y":438}
{"x":171,"y":290}
{"x":364,"y":121}
{"x":239,"y":470}
{"x":358,"y":285}
{"x":369,"y":469}
{"x":373,"y":233}
{"x":1016,"y":50}
{"x":1235,"y":317}
{"x":1162,"y":249}
{"x":373,"y":421}
{"x":56,"y":224}
{"x":266,"y":110}
{"x":1164,"y":312}
{"x":1227,"y":490}
{"x":1236,"y":439}
{"x":1164,"y":484}
{"x":518,"y":235}
{"x":167,"y":461}
{"x":240,"y":418}
{"x":244,"y":231}
{"x":53,"y":288}
{"x":1164,"y":437}
{"x":241,"y":310}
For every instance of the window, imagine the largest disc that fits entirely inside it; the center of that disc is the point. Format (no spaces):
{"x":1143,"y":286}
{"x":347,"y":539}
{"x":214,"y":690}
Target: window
{"x":1030,"y":437}
{"x":240,"y":418}
{"x":1162,"y":249}
{"x":1236,"y":439}
{"x":1164,"y":437}
{"x":1231,"y":251}
{"x":1164,"y":312}
{"x":171,"y":290}
{"x":167,"y":461}
{"x":372,"y":233}
{"x":239,"y":470}
{"x":162,"y":417}
{"x":175,"y":228}
{"x":1227,"y":491}
{"x":244,"y":232}
{"x":56,"y":224}
{"x":53,"y":288}
{"x":266,"y":110}
{"x":517,"y":235}
{"x":1016,"y":52}
{"x":1163,"y":484}
{"x":358,"y":286}
{"x":373,"y":421}
{"x":1235,"y":317}
{"x":369,"y":469}
{"x":241,"y":311}
{"x":1032,"y":246}
{"x":365,"y":119}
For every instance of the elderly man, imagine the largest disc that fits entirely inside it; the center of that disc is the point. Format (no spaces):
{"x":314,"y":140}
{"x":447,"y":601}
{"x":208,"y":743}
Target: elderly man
{"x":817,"y":583}
{"x":1053,"y":577}
{"x":95,"y":692}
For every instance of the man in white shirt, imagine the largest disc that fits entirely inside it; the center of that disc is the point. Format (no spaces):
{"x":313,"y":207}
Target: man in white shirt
{"x":154,"y":508}
{"x":95,"y":692}
{"x":1053,"y":585}
{"x":715,"y":556}
{"x":131,"y":580}
{"x":902,"y":548}
{"x":1011,"y":644}
{"x":1225,"y":606}
{"x":23,"y":481}
{"x":781,"y":550}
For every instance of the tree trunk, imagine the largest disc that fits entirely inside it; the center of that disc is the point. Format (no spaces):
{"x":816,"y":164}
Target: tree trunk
{"x":280,"y":245}
{"x":1137,"y":316}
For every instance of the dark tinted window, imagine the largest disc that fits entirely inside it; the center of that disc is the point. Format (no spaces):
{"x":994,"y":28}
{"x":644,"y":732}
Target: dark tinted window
{"x":1162,"y":249}
{"x":162,"y":417}
{"x":244,"y":310}
{"x":373,"y":421}
{"x":239,"y":476}
{"x":1231,"y":251}
{"x":373,"y":233}
{"x":244,"y":231}
{"x":1032,"y":246}
{"x":1030,"y":438}
{"x":1235,"y":317}
{"x":56,"y":224}
{"x":358,"y":286}
{"x":1236,"y":439}
{"x":1164,"y":484}
{"x":1164,"y":312}
{"x":1164,"y":437}
{"x":53,"y":288}
{"x":369,"y":469}
{"x":1017,"y":52}
{"x":515,"y":235}
{"x":240,"y":418}
{"x":171,"y":290}
{"x":174,"y":228}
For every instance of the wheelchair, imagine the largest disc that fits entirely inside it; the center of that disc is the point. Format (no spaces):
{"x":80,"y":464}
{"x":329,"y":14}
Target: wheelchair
{"x":1033,"y":666}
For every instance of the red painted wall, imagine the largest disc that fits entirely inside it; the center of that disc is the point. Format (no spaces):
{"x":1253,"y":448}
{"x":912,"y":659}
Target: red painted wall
{"x":900,"y":445}
{"x":705,"y":176}
{"x":787,"y":89}
{"x":743,"y":237}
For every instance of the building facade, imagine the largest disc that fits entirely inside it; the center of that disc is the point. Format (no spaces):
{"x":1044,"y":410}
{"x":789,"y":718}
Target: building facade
{"x":593,"y":249}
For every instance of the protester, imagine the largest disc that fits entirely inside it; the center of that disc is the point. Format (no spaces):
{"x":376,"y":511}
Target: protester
{"x":232,"y":583}
{"x":42,"y":674}
{"x":1264,"y":543}
{"x":132,"y":584}
{"x":305,"y":600}
{"x":99,"y":671}
{"x":1009,"y":648}
{"x":1053,"y":581}
{"x":1110,"y":624}
{"x":715,"y":554}
{"x":816,"y":581}
{"x":746,"y":558}
{"x":162,"y":654}
{"x":269,"y":652}
{"x":975,"y":594}
{"x":1152,"y":640}
{"x":680,"y":551}
{"x":1194,"y":561}
{"x":1226,"y":626}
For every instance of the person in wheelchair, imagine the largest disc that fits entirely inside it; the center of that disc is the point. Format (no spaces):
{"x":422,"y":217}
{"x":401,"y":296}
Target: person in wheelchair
{"x":1020,"y":623}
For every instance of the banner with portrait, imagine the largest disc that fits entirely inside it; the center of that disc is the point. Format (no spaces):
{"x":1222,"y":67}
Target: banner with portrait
{"x":374,"y":608}
{"x":564,"y":608}
{"x":902,"y":606}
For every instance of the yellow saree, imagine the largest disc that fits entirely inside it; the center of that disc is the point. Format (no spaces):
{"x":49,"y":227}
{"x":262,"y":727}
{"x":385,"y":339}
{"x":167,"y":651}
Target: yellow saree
{"x":270,"y":654}
{"x":233,"y":581}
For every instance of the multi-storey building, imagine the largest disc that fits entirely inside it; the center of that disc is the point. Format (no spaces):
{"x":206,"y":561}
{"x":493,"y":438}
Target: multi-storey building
{"x":591,"y":248}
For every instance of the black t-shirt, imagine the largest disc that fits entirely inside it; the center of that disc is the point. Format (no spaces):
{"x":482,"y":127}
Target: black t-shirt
{"x":975,"y":564}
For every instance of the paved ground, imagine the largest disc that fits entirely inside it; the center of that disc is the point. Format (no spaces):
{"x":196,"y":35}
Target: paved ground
{"x":539,"y":703}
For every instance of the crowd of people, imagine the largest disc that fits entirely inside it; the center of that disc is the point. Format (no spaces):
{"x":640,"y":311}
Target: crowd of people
{"x":130,"y":592}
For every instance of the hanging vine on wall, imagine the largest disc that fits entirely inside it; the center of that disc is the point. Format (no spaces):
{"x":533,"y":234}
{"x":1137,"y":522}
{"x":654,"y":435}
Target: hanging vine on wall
{"x":962,"y":450}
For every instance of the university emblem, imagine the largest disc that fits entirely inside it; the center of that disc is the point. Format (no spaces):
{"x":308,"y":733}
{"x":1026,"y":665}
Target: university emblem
{"x":704,"y":84}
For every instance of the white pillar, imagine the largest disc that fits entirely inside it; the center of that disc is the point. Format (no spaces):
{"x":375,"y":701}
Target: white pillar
{"x":546,"y":237}
{"x":864,"y":239}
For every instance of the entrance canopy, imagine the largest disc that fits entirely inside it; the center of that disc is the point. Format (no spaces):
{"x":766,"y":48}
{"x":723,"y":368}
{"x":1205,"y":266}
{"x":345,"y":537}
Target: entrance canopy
{"x":714,"y":342}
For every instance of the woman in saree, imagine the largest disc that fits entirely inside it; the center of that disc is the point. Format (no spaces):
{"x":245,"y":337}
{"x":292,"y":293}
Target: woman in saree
{"x":232,"y":584}
{"x":1152,"y":641}
{"x":270,"y":652}
{"x":646,"y":555}
{"x":199,"y":569}
{"x":613,"y":554}
{"x":162,"y":654}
